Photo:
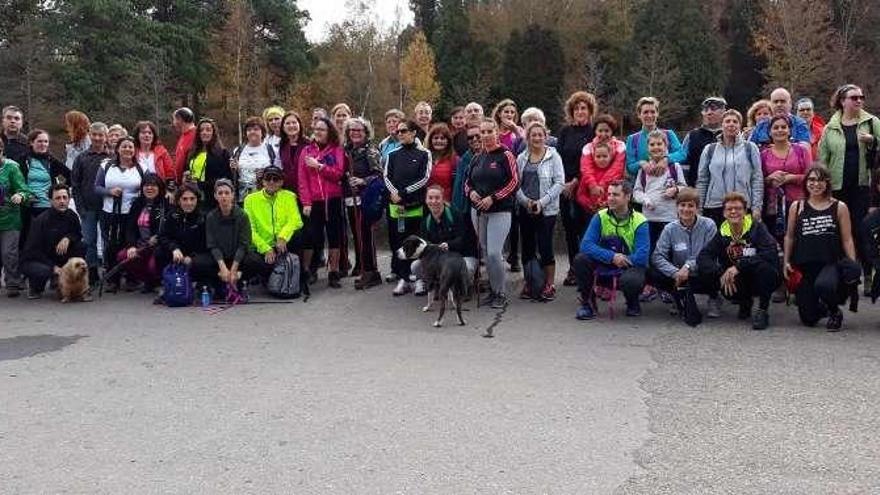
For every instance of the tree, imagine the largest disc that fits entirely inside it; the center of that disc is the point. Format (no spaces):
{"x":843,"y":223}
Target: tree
{"x":425,"y":15}
{"x":800,"y":45}
{"x":417,"y":73}
{"x":655,"y":73}
{"x":533,"y":70}
{"x":745,"y":77}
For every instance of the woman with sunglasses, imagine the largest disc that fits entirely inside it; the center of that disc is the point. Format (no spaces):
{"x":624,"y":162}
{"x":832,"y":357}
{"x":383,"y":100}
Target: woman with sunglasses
{"x":321,"y":167}
{"x":819,"y":247}
{"x":844,"y":148}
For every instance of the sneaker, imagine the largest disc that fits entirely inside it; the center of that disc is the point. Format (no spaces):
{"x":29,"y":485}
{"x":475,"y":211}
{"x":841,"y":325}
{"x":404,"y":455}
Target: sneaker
{"x":131,"y":285}
{"x":570,"y":280}
{"x":402,"y":288}
{"x":714,"y":307}
{"x":313,"y":277}
{"x":333,"y":280}
{"x":761,"y":320}
{"x":779,"y":295}
{"x":488,"y":299}
{"x":12,"y":291}
{"x":369,"y":279}
{"x":391,"y":277}
{"x":666,"y":297}
{"x":745,"y":310}
{"x":585,"y":312}
{"x":835,"y":321}
{"x":421,"y":290}
{"x":633,"y":309}
{"x":499,"y":302}
{"x":111,"y":288}
{"x":549,"y":292}
{"x":33,"y":293}
{"x":604,"y":293}
{"x":648,"y":294}
{"x":525,"y":293}
{"x":515,"y":267}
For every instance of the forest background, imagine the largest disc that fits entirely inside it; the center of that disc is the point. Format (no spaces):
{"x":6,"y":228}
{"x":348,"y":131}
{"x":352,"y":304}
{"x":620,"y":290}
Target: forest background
{"x":125,"y":60}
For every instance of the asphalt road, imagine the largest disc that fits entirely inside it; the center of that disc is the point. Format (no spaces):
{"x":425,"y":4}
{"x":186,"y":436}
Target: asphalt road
{"x":355,"y":392}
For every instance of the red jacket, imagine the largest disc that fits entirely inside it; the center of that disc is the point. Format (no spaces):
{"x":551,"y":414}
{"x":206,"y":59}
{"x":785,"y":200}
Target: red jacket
{"x":164,"y":163}
{"x":592,"y":175}
{"x":323,"y":184}
{"x":181,"y":152}
{"x":443,"y":173}
{"x":816,"y":128}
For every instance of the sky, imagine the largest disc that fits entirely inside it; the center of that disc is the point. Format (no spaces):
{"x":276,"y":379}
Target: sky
{"x":324,"y":12}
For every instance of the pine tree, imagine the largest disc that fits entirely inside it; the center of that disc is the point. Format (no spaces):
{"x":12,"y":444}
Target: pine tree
{"x":417,"y":73}
{"x":533,"y":70}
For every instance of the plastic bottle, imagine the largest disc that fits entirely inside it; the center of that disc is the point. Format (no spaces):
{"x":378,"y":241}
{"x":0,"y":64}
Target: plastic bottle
{"x":206,"y":297}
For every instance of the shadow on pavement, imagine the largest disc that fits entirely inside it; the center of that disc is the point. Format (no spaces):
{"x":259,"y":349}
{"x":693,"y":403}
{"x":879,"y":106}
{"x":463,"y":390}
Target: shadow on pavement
{"x":30,"y":345}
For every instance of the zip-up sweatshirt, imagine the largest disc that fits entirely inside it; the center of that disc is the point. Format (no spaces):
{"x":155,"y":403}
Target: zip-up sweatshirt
{"x":726,"y":169}
{"x":494,"y":174}
{"x":551,"y":176}
{"x":593,"y":175}
{"x":184,"y":231}
{"x":407,"y":172}
{"x":272,"y":217}
{"x":324,"y":183}
{"x":678,"y":245}
{"x":722,"y":251}
{"x":637,"y":149}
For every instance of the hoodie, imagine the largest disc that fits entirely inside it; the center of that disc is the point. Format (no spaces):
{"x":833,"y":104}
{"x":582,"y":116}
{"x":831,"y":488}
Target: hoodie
{"x":725,"y":169}
{"x":324,"y":183}
{"x":551,"y":179}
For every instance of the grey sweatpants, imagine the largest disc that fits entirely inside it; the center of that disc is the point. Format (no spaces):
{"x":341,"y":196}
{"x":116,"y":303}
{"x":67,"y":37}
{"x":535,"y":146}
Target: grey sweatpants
{"x":9,"y":257}
{"x":493,"y":228}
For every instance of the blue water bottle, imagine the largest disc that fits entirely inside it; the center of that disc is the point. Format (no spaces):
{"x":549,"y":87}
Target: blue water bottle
{"x":206,"y":297}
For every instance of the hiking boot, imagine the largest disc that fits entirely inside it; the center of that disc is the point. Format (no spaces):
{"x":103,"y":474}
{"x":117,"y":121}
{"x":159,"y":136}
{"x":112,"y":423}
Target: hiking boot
{"x":420,"y":289}
{"x":835,"y":321}
{"x":402,"y":288}
{"x":713,"y":307}
{"x":761,"y":320}
{"x":367,"y":280}
{"x":633,"y":308}
{"x":549,"y":292}
{"x":570,"y":279}
{"x":333,"y":279}
{"x":779,"y":295}
{"x":525,"y":293}
{"x":585,"y":312}
{"x":499,"y":302}
{"x":648,"y":294}
{"x":745,"y":310}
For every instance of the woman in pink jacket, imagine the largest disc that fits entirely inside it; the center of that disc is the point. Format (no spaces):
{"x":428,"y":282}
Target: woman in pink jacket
{"x":321,"y":167}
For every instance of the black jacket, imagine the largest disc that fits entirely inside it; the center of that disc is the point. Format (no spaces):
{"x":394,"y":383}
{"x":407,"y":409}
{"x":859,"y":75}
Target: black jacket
{"x":46,"y":232}
{"x":570,"y":145}
{"x":719,"y":255}
{"x":407,"y":172}
{"x":494,"y":174}
{"x":158,"y":209}
{"x":82,"y":180}
{"x":184,"y":231}
{"x":216,"y":167}
{"x":363,"y":163}
{"x":15,"y":148}
{"x":696,"y":140}
{"x":455,"y":230}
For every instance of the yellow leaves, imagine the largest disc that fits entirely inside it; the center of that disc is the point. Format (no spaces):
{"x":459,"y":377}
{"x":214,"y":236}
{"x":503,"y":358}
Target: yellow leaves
{"x":418,"y":74}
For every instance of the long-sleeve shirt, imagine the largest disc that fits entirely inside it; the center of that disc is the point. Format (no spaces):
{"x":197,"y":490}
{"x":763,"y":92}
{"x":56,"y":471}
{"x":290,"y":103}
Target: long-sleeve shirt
{"x":407,"y":172}
{"x":725,"y":169}
{"x":229,"y":236}
{"x":570,"y":145}
{"x":637,"y":149}
{"x":494,"y":174}
{"x":679,"y":245}
{"x":592,"y":247}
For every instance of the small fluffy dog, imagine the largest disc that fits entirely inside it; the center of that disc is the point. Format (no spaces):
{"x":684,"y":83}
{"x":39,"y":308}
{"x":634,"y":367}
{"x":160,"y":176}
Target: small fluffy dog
{"x":73,"y":280}
{"x":445,"y":274}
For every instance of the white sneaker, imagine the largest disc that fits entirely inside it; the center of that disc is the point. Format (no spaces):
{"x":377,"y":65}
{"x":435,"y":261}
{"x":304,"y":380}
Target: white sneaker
{"x":402,"y":288}
{"x":421,"y":290}
{"x":714,"y":307}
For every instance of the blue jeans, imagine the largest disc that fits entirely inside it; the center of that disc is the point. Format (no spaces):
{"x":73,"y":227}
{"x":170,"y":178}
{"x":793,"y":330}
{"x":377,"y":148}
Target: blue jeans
{"x":89,"y":221}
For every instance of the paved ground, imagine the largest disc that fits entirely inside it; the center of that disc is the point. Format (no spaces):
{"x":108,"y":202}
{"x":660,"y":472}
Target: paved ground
{"x":357,"y":393}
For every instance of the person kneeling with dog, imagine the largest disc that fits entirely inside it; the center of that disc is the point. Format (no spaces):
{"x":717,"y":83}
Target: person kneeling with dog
{"x":742,"y":261}
{"x":451,"y":232}
{"x":55,"y":237}
{"x":615,"y":246}
{"x":674,"y":260}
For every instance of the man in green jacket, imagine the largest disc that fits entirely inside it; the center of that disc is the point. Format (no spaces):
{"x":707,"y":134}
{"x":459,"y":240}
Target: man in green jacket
{"x":13,"y":193}
{"x":276,"y":224}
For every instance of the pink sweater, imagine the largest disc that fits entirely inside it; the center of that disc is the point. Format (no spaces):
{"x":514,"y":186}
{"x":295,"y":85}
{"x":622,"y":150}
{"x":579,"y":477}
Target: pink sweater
{"x":797,"y":162}
{"x":320,"y":185}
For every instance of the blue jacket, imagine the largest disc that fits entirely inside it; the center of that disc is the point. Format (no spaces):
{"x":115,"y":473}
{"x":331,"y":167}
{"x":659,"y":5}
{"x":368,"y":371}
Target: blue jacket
{"x":590,"y":244}
{"x":800,"y":131}
{"x":637,"y":150}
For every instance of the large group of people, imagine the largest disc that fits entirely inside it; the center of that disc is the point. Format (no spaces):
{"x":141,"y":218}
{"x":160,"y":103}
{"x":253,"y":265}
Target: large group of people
{"x":766,"y":208}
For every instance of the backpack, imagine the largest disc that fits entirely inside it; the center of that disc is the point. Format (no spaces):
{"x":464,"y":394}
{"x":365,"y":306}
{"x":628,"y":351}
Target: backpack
{"x":284,"y":281}
{"x":177,"y":288}
{"x":687,"y":307}
{"x":533,"y":278}
{"x":639,"y":138}
{"x":374,"y":199}
{"x":673,"y":174}
{"x":236,"y":153}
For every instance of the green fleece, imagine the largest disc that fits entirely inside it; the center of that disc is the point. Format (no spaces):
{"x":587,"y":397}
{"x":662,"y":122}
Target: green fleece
{"x":832,"y":147}
{"x":12,"y":182}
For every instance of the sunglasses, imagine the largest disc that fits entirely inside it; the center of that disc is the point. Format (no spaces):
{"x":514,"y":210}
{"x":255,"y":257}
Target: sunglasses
{"x":403,"y":131}
{"x":857,"y":97}
{"x":272,"y":178}
{"x":474,"y":137}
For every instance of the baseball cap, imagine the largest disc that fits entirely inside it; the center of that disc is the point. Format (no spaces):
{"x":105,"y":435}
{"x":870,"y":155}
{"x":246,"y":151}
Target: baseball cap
{"x":714,"y":101}
{"x":273,"y":171}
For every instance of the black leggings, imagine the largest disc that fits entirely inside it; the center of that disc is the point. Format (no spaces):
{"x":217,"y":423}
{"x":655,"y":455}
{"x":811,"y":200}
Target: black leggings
{"x":326,"y":217}
{"x":411,"y":226}
{"x":574,"y":223}
{"x":759,"y":280}
{"x":819,"y":292}
{"x":113,"y":234}
{"x":537,"y":232}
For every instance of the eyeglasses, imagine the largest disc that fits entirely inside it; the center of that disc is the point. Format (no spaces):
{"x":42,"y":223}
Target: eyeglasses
{"x":474,"y":137}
